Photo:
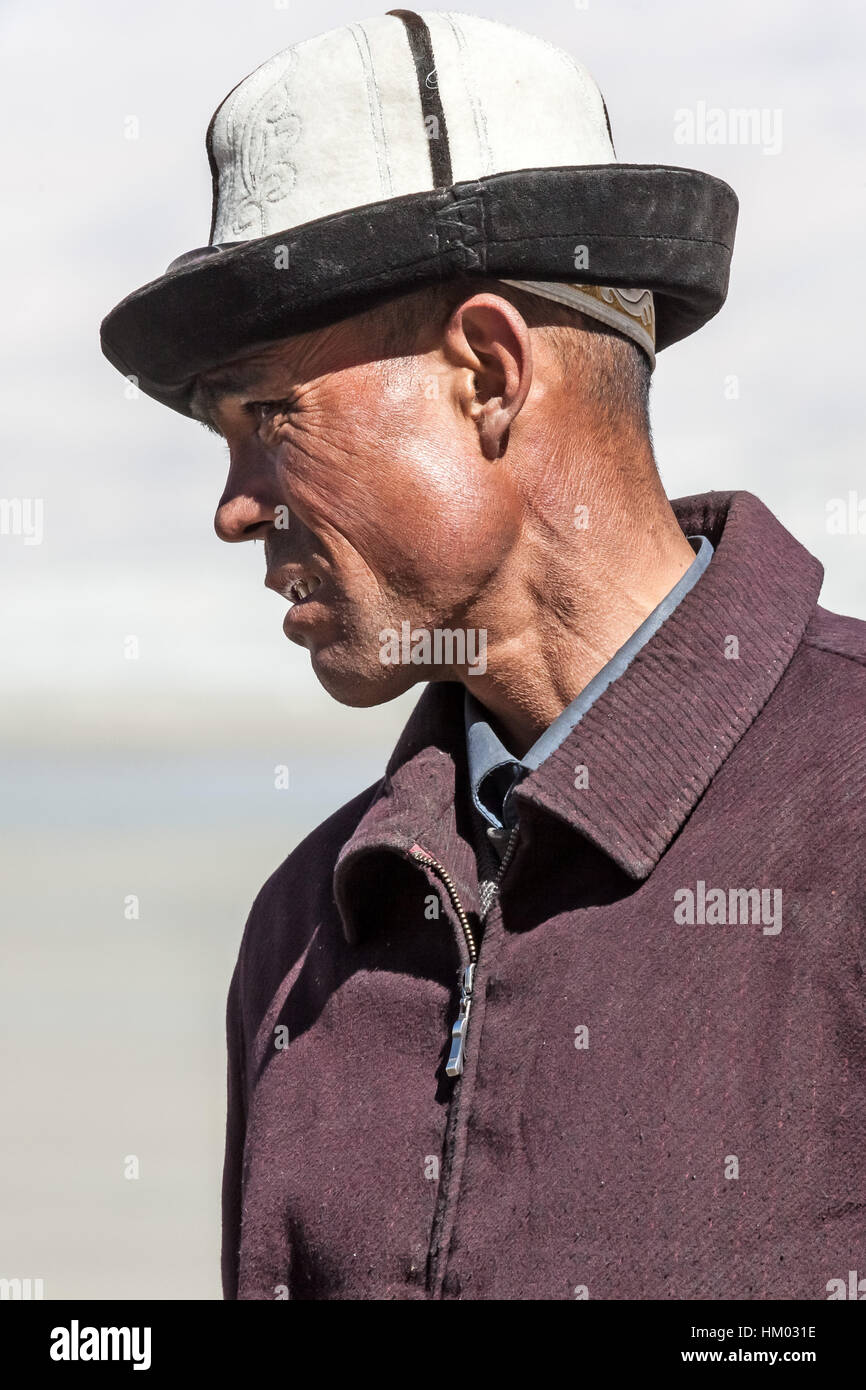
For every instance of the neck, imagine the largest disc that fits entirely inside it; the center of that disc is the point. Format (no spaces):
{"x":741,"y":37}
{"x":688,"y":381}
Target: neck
{"x":572,"y":594}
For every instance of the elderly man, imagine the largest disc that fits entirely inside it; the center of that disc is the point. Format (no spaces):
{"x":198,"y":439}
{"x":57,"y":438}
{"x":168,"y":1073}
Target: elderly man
{"x":569,"y":1004}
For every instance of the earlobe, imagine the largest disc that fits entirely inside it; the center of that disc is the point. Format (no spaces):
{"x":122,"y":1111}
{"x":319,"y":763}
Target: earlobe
{"x":493,"y":430}
{"x":492,"y":417}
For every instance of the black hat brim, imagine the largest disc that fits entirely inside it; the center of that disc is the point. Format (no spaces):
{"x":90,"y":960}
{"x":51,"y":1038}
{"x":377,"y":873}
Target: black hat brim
{"x":653,"y":227}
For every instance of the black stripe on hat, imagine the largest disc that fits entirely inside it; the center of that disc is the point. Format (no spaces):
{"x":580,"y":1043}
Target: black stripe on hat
{"x":607,"y":122}
{"x":428,"y":89}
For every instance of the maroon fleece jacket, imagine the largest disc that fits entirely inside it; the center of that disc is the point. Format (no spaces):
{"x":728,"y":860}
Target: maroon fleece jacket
{"x":664,"y":1090}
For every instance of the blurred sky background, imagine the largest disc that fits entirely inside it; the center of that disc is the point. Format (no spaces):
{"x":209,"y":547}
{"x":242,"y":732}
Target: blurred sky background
{"x":155,"y":776}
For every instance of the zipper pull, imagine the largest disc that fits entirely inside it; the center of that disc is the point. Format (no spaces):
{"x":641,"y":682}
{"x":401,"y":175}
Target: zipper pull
{"x":454,"y":1065}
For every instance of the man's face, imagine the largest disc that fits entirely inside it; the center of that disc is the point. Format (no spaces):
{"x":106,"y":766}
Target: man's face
{"x":368,"y":484}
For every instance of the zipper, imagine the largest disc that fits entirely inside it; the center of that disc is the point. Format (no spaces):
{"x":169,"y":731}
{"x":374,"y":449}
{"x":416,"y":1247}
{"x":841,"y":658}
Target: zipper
{"x":454,"y":1066}
{"x":457,"y":1055}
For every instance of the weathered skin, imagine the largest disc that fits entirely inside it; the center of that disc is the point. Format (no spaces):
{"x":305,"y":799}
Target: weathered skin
{"x":441,"y":490}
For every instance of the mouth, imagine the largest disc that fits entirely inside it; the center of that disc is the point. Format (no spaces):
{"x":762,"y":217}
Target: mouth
{"x":301,"y":588}
{"x":300,"y":584}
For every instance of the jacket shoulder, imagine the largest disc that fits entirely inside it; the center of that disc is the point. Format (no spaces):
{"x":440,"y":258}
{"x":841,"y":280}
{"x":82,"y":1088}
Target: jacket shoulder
{"x":829,"y":689}
{"x":296,"y":900}
{"x":837,"y":634}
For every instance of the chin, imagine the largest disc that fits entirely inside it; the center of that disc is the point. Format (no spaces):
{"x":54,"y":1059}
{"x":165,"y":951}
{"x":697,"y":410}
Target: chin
{"x":362,"y":688}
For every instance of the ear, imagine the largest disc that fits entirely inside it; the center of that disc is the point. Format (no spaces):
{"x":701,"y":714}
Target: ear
{"x":487,"y":337}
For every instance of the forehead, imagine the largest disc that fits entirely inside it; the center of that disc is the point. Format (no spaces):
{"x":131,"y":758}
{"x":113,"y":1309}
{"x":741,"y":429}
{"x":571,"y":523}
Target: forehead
{"x":269,"y":367}
{"x":239,"y":375}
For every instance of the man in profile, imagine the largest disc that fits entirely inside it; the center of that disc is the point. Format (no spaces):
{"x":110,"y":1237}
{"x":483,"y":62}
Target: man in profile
{"x":569,"y":1004}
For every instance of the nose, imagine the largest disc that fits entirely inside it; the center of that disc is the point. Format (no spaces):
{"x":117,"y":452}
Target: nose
{"x":247,"y":509}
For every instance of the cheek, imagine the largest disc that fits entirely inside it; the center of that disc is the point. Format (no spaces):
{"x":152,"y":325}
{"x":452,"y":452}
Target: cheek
{"x":450,"y":522}
{"x":422,"y":517}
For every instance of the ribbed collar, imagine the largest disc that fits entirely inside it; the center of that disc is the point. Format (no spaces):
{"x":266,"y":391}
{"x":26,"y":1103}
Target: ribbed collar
{"x":652,"y":740}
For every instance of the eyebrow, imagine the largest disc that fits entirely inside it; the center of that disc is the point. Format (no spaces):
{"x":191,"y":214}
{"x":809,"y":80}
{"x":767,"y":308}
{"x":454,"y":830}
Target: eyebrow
{"x":206,"y":394}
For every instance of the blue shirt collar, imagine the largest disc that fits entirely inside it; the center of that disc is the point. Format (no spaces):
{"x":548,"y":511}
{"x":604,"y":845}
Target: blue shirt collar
{"x":494,"y":772}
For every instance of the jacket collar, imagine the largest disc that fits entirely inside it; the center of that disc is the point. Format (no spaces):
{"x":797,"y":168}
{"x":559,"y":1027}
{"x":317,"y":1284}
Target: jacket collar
{"x":651,"y":743}
{"x":422,"y":801}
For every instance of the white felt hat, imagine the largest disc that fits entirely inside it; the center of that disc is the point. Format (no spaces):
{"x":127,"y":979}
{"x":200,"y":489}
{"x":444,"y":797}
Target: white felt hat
{"x":403,"y":150}
{"x":358,"y":114}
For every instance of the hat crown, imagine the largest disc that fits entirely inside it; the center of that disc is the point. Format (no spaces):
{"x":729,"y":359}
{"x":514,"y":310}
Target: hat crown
{"x":354,"y":116}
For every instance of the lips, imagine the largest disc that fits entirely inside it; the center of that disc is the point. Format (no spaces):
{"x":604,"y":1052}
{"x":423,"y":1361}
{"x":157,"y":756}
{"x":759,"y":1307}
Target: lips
{"x":306,"y":613}
{"x":294,"y":582}
{"x":300,"y":584}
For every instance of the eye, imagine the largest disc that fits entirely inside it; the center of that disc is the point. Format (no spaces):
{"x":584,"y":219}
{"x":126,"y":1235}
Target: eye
{"x":264,"y":410}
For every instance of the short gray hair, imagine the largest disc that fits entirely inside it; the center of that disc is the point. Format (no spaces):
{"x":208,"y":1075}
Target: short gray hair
{"x":621,"y":370}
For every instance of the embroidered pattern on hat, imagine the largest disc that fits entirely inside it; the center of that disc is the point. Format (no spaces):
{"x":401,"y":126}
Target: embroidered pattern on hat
{"x":637,"y":303}
{"x":630,"y":311}
{"x":271,"y":130}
